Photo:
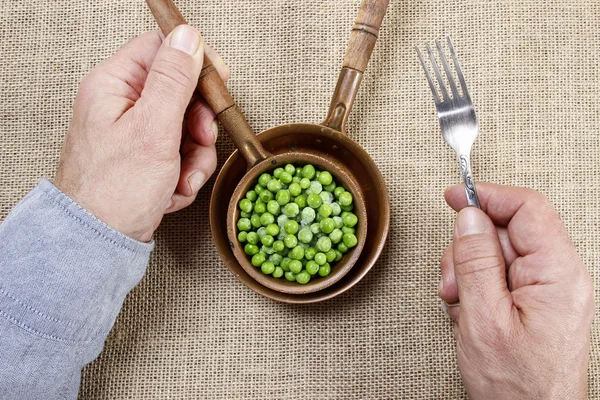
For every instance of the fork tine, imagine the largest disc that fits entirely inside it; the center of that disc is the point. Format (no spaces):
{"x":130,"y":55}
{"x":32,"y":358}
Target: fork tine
{"x":461,"y":77}
{"x":436,"y":70}
{"x":436,"y":97}
{"x":447,"y":69}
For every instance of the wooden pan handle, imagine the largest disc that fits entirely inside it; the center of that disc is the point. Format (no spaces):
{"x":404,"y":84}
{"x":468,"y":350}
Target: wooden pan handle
{"x":213,"y":90}
{"x":360,"y":46}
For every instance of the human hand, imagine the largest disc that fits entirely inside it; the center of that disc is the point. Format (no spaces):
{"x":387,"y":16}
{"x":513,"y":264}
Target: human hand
{"x":529,"y":339}
{"x":136,"y":148}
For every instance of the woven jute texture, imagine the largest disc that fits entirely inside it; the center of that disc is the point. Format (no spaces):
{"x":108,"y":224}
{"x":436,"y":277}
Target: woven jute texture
{"x":190,"y":329}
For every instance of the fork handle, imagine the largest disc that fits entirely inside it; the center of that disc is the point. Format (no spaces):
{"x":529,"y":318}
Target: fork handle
{"x":467,"y":177}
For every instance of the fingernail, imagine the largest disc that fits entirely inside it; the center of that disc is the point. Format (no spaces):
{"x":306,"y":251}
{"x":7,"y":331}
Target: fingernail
{"x":170,"y":204}
{"x":444,"y":308}
{"x":196,"y":181}
{"x":441,"y":285}
{"x":470,"y":221}
{"x":215,"y":130}
{"x":186,"y":39}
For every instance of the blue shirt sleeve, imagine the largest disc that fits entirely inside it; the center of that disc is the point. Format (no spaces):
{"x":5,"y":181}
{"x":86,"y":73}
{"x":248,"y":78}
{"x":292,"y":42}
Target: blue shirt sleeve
{"x":63,"y":277}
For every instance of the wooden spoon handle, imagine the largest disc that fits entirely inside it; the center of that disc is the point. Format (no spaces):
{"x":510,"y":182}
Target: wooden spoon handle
{"x":213,"y":90}
{"x":360,"y":46}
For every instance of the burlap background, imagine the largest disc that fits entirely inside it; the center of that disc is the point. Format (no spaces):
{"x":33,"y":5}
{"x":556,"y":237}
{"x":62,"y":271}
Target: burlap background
{"x":190,"y":329}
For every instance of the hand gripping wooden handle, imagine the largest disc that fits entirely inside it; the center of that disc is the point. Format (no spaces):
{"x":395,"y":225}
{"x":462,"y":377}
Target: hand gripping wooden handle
{"x":213,"y":90}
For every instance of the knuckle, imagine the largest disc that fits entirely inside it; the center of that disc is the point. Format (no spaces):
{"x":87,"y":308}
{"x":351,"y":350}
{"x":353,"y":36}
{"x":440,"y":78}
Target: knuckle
{"x":173,"y":72}
{"x":476,"y":254}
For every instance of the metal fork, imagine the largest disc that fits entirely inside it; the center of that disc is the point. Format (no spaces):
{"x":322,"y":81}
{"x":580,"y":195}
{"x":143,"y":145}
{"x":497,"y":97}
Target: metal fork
{"x":456,"y":114}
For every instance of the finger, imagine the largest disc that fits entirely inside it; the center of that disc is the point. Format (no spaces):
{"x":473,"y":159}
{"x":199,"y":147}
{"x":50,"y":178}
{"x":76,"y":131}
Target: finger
{"x":202,"y":124}
{"x":448,"y":288}
{"x":527,"y":214}
{"x":179,"y":202}
{"x":217,"y":62}
{"x":479,"y":266}
{"x":197,"y":165}
{"x":451,"y":310}
{"x":508,"y":251}
{"x":173,"y":77}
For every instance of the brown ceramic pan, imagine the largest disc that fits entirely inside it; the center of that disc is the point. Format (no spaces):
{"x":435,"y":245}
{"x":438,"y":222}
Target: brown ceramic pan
{"x":324,"y":145}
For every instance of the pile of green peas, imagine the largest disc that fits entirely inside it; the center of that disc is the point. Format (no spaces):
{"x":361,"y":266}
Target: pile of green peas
{"x":296,"y":223}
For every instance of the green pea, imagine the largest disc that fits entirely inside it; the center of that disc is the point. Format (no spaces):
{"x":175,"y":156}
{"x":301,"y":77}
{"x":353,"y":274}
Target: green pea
{"x":267,"y":267}
{"x":244,"y":224}
{"x":336,"y":209}
{"x":274,"y":185}
{"x":267,"y":219}
{"x":245,"y":205}
{"x":252,"y":238}
{"x":346,"y":229}
{"x":314,"y":200}
{"x":327,"y":225}
{"x":320,"y":258}
{"x":245,"y":214}
{"x":295,"y":189}
{"x":298,"y":172}
{"x":323,"y":244}
{"x":336,"y":235}
{"x":251,"y":249}
{"x":338,"y":222}
{"x":277,"y":172}
{"x":260,"y":208}
{"x":264,"y":180}
{"x":305,"y":235}
{"x":255,"y":221}
{"x":267,"y":250}
{"x":281,"y":220}
{"x":251,"y":195}
{"x":330,"y":188}
{"x":273,"y":207}
{"x":304,"y":183}
{"x":315,"y":187}
{"x":285,"y":264}
{"x":315,"y":228}
{"x":258,"y":189}
{"x":290,"y":276}
{"x":338,"y":255}
{"x":324,"y":270}
{"x":283,"y":197}
{"x":330,"y":255}
{"x":308,"y":215}
{"x":325,"y":178}
{"x":295,"y":266}
{"x":290,"y":169}
{"x":317,"y":174}
{"x":278,"y":273}
{"x":308,"y":171}
{"x":276,"y":258}
{"x":290,"y":241}
{"x":258,"y":259}
{"x":309,"y":253}
{"x":285,"y":177}
{"x":278,"y":245}
{"x":303,"y":278}
{"x":296,"y":179}
{"x":272,"y":230}
{"x":262,"y":231}
{"x":267,"y":240}
{"x":242,"y":236}
{"x":297,"y":253}
{"x":312,"y":267}
{"x":350,"y":220}
{"x":291,"y":227}
{"x":265,"y":196}
{"x":326,"y":197}
{"x":342,"y":248}
{"x":325,"y":210}
{"x":301,"y":201}
{"x":291,"y":210}
{"x":349,"y":240}
{"x":347,"y":208}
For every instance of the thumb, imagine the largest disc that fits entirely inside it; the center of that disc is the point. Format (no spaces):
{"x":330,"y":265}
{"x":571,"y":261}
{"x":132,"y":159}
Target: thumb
{"x":173,"y":76}
{"x":479,"y":265}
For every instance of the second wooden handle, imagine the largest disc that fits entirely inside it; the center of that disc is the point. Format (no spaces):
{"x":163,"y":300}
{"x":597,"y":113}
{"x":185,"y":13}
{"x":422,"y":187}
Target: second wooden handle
{"x":364,"y":34}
